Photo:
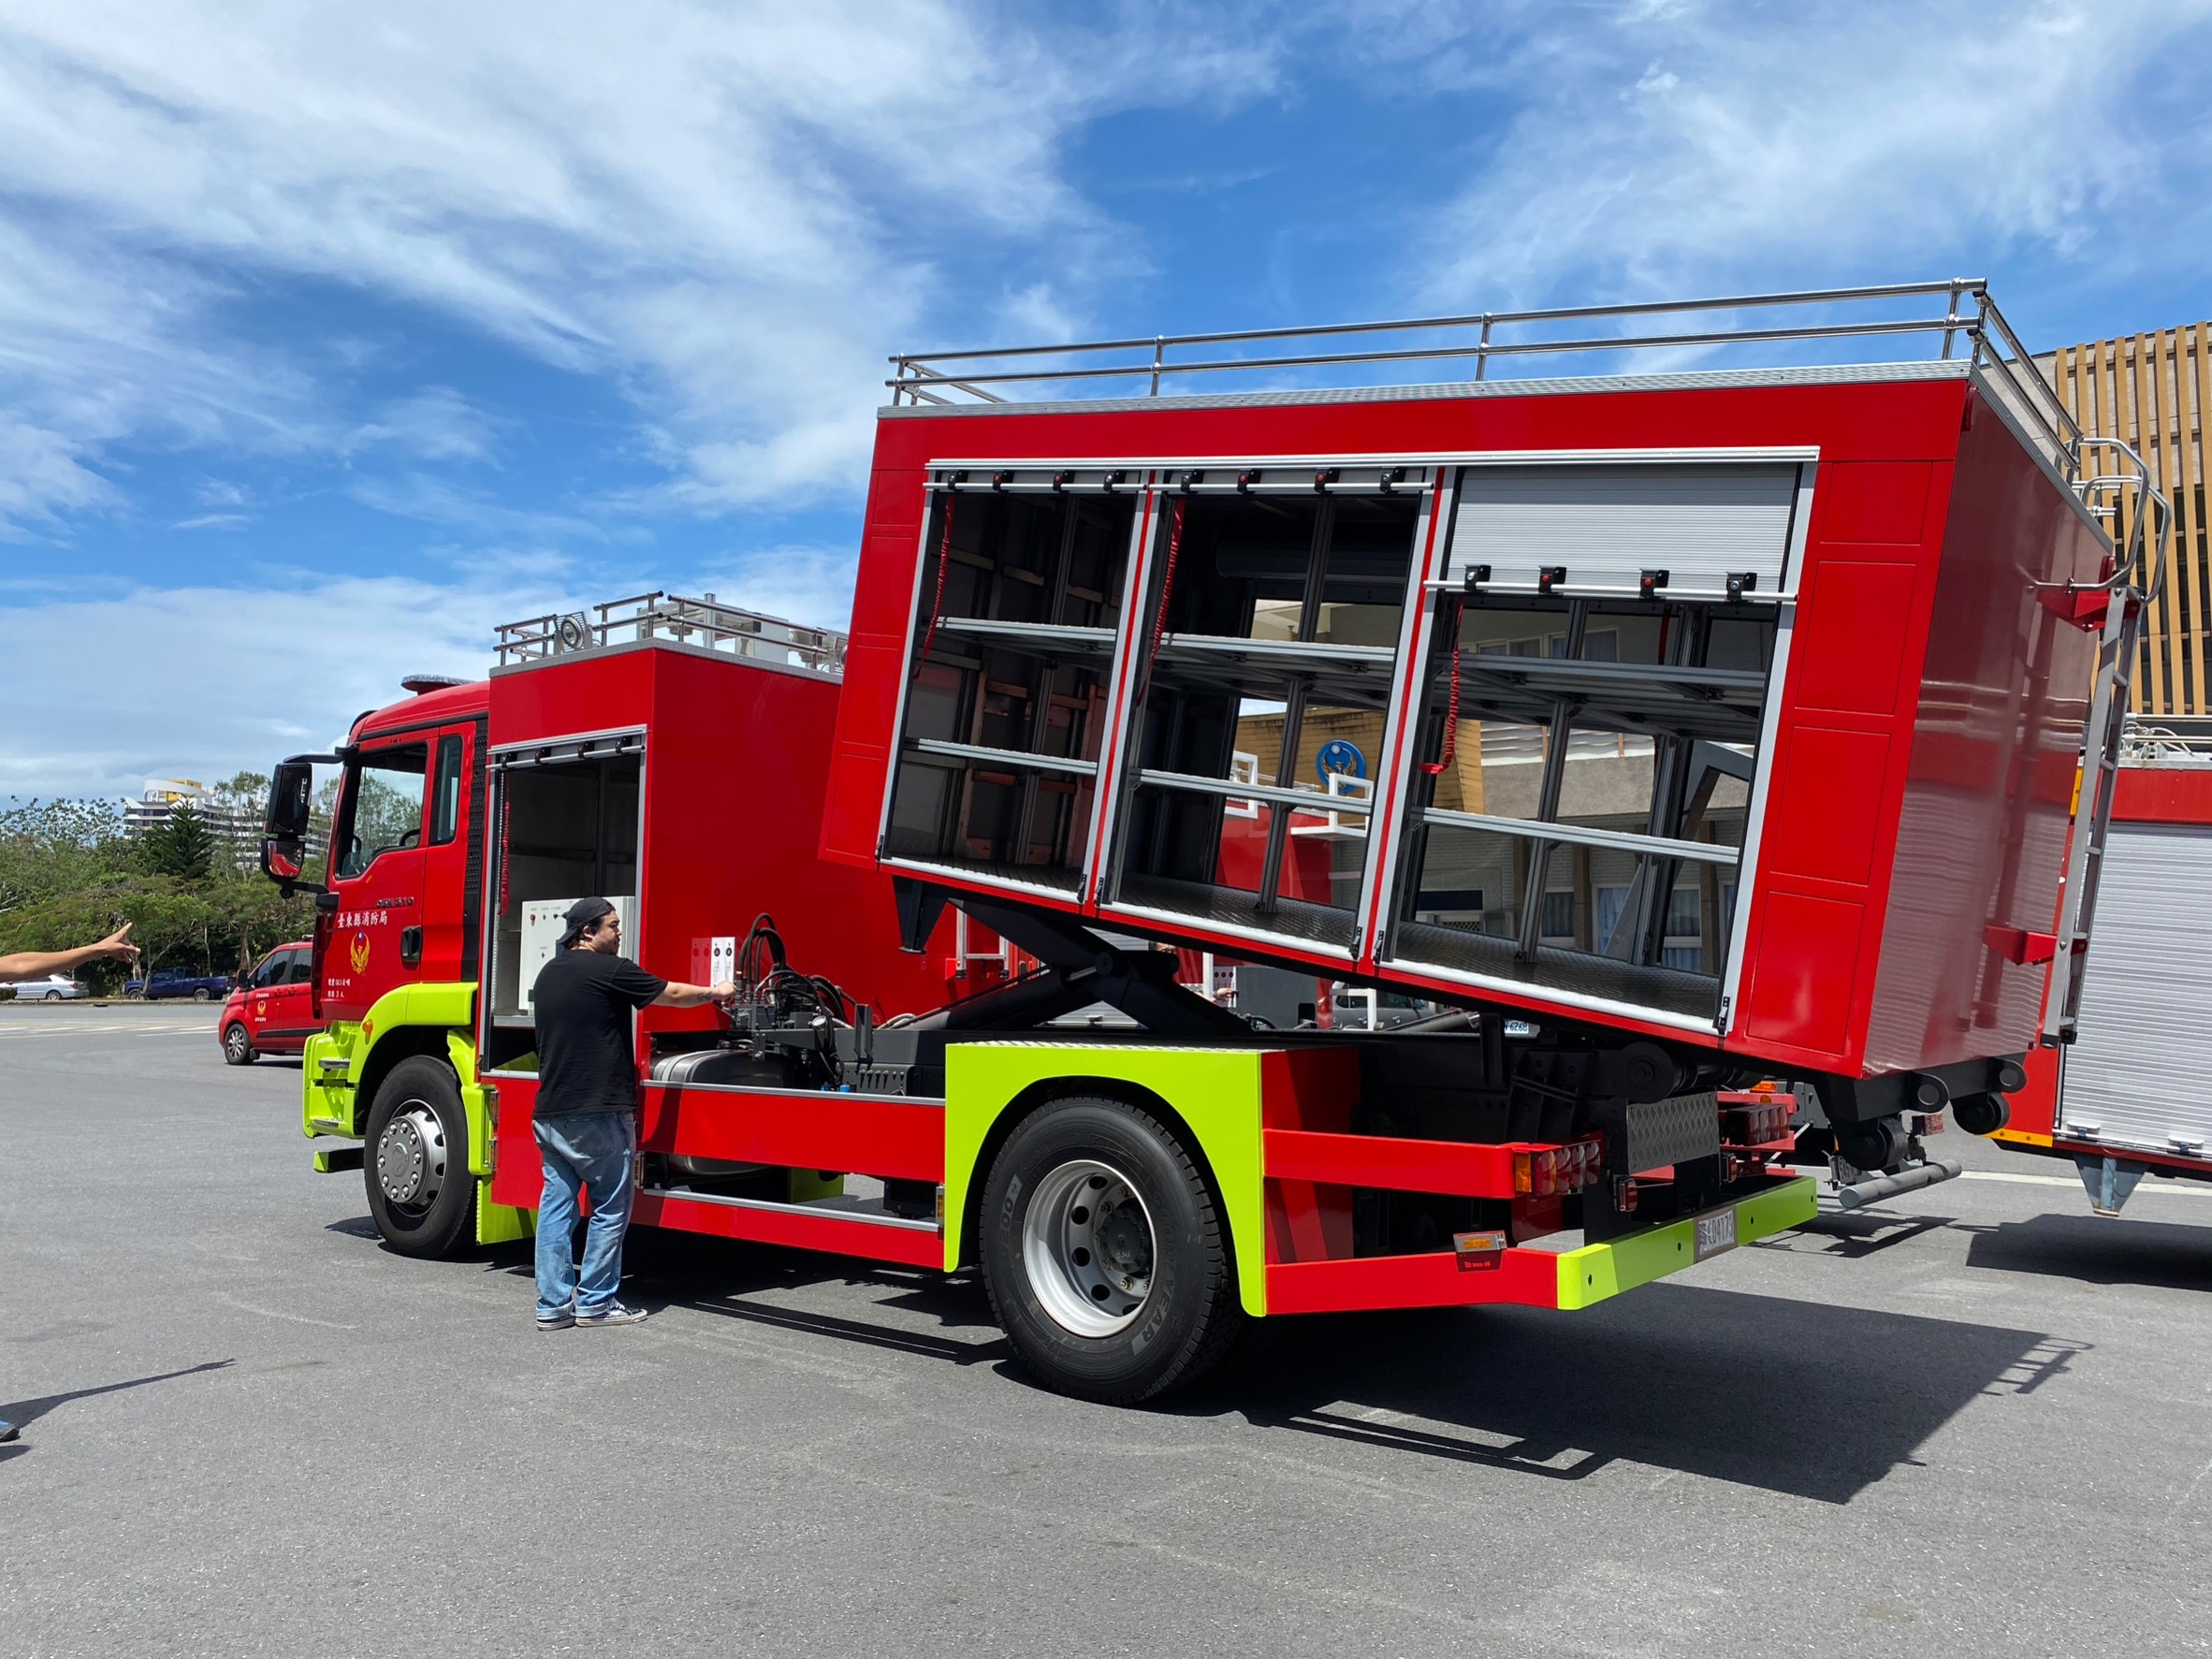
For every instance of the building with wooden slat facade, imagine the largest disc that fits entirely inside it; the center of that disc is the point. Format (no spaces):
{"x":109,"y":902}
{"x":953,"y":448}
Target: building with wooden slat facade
{"x":2151,"y":391}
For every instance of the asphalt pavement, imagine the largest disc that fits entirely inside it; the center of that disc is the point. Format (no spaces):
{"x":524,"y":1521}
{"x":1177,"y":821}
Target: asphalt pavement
{"x":1971,"y":1422}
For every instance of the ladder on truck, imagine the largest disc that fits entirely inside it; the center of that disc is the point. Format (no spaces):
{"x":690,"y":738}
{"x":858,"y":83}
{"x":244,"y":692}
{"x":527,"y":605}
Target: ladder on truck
{"x":2126,"y":595}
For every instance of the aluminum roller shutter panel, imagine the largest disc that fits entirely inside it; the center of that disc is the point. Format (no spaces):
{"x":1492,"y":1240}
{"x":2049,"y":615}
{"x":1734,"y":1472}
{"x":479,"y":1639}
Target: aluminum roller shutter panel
{"x":1610,"y":522}
{"x":2141,"y":1071}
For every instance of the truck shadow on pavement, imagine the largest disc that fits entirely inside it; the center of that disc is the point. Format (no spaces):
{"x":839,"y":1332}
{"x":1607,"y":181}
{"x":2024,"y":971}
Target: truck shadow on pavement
{"x":22,"y":1413}
{"x":2097,"y":1250}
{"x":1712,"y":1383}
{"x":1720,"y":1383}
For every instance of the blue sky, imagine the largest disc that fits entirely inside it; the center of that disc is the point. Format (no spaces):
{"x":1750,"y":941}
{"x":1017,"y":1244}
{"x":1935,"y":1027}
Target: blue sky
{"x":329,"y":337}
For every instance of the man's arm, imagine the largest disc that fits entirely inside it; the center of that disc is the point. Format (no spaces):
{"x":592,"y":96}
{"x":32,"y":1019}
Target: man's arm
{"x":679,"y":996}
{"x":36,"y":964}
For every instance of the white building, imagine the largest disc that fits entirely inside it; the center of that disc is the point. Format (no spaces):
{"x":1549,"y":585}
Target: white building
{"x":235,"y":828}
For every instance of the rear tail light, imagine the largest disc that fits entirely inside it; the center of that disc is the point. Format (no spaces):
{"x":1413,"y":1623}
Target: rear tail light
{"x":1478,"y":1252}
{"x":1549,"y":1172}
{"x":1757,"y":1126}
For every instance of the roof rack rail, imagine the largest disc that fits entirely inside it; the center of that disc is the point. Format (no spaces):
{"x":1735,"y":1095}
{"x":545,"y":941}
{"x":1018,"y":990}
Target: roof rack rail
{"x":1968,"y":320}
{"x":705,"y":622}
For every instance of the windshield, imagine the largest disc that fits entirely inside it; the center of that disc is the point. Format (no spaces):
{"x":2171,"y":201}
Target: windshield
{"x":384,"y":809}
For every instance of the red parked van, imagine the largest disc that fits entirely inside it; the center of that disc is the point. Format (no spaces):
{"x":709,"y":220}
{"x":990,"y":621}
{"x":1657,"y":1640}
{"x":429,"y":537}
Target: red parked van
{"x":271,"y":1012}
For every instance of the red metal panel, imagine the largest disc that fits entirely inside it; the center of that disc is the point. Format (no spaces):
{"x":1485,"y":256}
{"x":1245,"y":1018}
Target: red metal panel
{"x":802,"y":1230}
{"x":1309,"y":1089}
{"x":2035,"y":1108}
{"x":1386,"y":1161}
{"x":1308,"y":1221}
{"x":516,"y":1178}
{"x":1855,"y":621}
{"x":1525,"y":1278}
{"x":1830,"y":794}
{"x":1805,"y":954}
{"x":1983,"y":823}
{"x":737,"y":766}
{"x":2163,"y":794}
{"x":1880,"y":502}
{"x":904,"y":1139}
{"x":594,"y":692}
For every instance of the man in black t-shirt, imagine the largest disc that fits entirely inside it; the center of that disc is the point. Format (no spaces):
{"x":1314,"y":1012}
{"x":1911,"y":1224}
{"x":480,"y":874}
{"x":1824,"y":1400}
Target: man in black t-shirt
{"x":586,"y":1117}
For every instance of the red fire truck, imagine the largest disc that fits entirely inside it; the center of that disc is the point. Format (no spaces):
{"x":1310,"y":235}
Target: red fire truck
{"x":1666,"y":731}
{"x":2121,"y":1100}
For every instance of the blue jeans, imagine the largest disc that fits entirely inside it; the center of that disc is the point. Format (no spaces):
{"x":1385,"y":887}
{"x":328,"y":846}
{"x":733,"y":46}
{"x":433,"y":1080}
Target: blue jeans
{"x":593,"y":1151}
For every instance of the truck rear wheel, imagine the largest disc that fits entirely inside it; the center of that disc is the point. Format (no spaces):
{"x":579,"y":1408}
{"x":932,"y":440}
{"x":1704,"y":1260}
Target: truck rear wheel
{"x":1105,"y":1253}
{"x":421,"y":1195}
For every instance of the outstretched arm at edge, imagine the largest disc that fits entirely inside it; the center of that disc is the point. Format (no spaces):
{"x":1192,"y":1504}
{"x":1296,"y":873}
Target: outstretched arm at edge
{"x":36,"y":964}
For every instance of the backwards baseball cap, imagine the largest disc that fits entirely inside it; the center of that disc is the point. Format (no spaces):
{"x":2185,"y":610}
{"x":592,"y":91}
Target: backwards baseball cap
{"x":581,"y":915}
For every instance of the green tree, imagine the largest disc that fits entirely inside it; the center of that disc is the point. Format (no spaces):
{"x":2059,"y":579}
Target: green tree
{"x":183,"y":847}
{"x":52,"y":847}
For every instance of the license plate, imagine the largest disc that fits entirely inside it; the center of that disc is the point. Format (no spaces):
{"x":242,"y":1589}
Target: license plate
{"x":1716,"y":1232}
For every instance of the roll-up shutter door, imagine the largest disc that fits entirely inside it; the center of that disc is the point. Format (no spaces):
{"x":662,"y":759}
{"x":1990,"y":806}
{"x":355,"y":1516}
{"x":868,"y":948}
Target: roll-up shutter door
{"x":2141,"y":1072}
{"x":1607,"y":523}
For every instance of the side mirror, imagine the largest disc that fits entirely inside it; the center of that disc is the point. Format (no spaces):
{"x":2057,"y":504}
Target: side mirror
{"x":285,"y":822}
{"x":291,"y":800}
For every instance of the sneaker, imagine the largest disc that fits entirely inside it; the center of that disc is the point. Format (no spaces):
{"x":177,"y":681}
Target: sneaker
{"x":613,"y":1314}
{"x":560,"y":1321}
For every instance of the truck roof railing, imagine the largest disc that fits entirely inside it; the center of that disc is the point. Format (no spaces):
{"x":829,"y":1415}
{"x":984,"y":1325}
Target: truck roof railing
{"x":2167,"y":740}
{"x":705,"y":622}
{"x":1944,"y":318}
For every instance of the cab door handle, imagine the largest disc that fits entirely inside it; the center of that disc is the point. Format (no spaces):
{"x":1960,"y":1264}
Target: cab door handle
{"x":410,"y":947}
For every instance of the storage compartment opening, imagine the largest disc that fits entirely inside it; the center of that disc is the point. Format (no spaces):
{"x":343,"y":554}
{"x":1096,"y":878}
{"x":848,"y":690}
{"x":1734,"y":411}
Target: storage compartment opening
{"x":1021,"y":598}
{"x":1264,"y":709}
{"x":1632,"y":725}
{"x":566,"y":830}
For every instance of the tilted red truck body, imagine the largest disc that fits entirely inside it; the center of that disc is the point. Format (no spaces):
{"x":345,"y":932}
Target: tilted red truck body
{"x":1915,"y":772}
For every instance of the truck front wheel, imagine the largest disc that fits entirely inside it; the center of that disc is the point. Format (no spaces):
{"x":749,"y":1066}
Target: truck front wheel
{"x":1105,"y":1253}
{"x":421,"y":1195}
{"x":238,"y":1046}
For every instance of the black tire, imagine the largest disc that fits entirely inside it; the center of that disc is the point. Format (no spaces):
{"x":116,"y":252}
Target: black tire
{"x":1981,"y":1114}
{"x":417,"y":1110}
{"x":201,"y":994}
{"x":53,"y":997}
{"x":1189,"y":1314}
{"x":237,"y":1047}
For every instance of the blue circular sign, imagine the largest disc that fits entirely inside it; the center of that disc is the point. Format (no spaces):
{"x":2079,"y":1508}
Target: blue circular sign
{"x":1339,"y":759}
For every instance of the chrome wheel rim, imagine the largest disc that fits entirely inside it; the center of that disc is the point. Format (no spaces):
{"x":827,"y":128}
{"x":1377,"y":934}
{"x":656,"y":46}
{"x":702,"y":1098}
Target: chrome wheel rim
{"x":1089,"y":1248}
{"x":235,"y":1042}
{"x":410,"y":1159}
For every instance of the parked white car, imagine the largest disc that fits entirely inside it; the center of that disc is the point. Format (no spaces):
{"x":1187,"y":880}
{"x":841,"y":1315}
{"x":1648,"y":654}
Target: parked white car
{"x":54,"y":987}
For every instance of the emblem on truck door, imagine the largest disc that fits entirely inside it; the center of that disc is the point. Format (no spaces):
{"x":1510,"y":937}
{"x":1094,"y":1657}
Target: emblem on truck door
{"x":360,"y":952}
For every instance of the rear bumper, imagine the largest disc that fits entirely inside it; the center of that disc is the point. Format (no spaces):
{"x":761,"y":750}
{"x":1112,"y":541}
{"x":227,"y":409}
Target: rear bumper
{"x":1526,"y":1277}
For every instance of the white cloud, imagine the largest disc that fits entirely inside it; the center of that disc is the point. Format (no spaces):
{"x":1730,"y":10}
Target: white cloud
{"x":43,"y":474}
{"x":1682,"y":149}
{"x":199,"y":682}
{"x":436,"y":424}
{"x":733,"y":211}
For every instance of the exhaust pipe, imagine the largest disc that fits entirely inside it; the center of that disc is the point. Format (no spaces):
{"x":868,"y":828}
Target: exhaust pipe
{"x":1887,"y":1186}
